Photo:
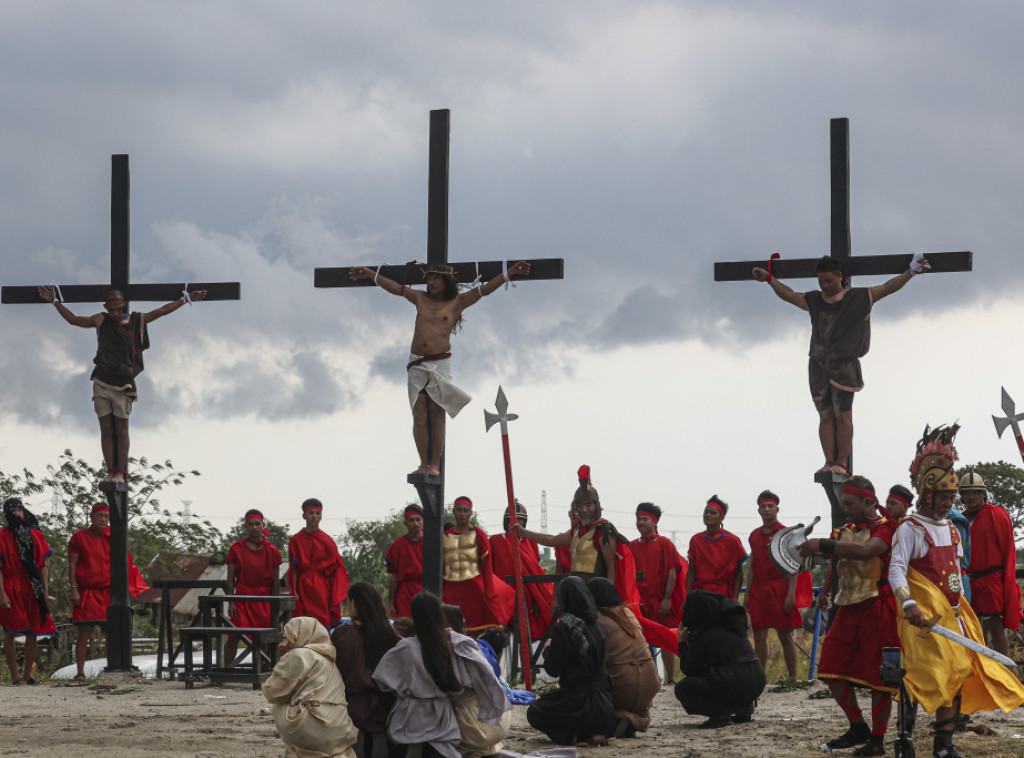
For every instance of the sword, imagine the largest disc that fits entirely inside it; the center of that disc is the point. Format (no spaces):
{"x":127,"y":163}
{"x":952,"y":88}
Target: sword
{"x":1012,"y":420}
{"x":977,"y":647}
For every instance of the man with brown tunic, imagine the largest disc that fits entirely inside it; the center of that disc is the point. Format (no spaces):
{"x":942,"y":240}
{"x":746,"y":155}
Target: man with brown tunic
{"x":432,"y":393}
{"x":121,"y":338}
{"x":840,"y":337}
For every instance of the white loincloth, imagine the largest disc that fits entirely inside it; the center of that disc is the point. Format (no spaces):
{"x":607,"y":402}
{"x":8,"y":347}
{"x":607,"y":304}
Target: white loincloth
{"x":435,"y":378}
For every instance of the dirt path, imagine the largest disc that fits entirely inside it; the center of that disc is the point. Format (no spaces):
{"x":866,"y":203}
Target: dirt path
{"x":155,"y":718}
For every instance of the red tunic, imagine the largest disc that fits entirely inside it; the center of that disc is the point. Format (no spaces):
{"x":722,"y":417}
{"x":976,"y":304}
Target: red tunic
{"x":255,"y":574}
{"x":563,"y":559}
{"x":538,"y":596}
{"x":23,"y":617}
{"x":484,"y":601}
{"x":317,"y":577}
{"x":92,"y":574}
{"x":404,"y":559}
{"x":655,"y":557}
{"x":994,"y":588}
{"x":852,"y":649}
{"x":767,"y":587}
{"x":714,"y":561}
{"x":625,"y":566}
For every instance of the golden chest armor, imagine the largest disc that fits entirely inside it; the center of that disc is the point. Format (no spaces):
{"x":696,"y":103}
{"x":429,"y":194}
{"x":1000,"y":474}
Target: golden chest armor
{"x":584,"y":552}
{"x":461,"y":558}
{"x":858,"y":580}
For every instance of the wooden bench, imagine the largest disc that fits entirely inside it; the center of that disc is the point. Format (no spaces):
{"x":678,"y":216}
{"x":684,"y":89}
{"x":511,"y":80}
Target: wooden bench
{"x":210,"y":637}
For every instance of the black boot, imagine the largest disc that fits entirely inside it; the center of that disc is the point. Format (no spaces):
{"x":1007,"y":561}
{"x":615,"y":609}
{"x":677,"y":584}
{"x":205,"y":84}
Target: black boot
{"x":942,"y":746}
{"x":857,"y":734}
{"x":873,"y":746}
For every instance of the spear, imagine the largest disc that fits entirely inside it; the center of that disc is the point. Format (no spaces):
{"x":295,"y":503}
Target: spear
{"x":1011,"y":420}
{"x":490,"y":419}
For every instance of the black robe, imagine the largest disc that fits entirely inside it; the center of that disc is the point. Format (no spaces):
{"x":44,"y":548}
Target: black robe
{"x":582,"y":705}
{"x":722,"y":674}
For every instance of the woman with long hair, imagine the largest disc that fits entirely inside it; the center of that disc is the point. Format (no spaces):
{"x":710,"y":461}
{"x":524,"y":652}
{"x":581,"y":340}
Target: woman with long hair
{"x":430,"y":671}
{"x":634,"y":676}
{"x":360,"y":646}
{"x":580,"y":710}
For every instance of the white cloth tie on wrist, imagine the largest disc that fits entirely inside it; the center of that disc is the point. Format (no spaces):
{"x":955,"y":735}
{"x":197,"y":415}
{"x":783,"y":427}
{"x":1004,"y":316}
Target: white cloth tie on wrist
{"x":378,"y":271}
{"x":478,"y":282}
{"x":57,"y":296}
{"x":504,"y":271}
{"x":918,"y":264}
{"x":185,"y":296}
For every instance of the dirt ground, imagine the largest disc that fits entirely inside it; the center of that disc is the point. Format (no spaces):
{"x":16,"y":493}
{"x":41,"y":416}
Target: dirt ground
{"x":160,"y":718}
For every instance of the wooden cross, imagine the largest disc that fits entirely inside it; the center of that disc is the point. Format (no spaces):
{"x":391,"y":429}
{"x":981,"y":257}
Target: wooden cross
{"x":860,"y":265}
{"x":431,"y":488}
{"x":119,"y":614}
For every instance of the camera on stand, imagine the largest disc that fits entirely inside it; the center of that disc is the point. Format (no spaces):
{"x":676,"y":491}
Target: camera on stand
{"x":891,"y":673}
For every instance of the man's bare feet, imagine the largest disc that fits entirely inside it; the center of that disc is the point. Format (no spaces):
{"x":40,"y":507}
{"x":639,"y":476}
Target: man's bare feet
{"x":117,"y":476}
{"x":433,"y":469}
{"x":424,"y":469}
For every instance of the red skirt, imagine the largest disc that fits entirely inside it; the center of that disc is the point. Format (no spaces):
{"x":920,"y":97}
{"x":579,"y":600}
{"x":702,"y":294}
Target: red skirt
{"x":765,"y":605}
{"x":852,"y":649}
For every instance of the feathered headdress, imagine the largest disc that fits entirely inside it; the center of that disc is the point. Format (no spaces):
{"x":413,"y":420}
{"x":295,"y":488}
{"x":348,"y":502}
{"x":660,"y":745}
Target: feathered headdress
{"x":932,"y":469}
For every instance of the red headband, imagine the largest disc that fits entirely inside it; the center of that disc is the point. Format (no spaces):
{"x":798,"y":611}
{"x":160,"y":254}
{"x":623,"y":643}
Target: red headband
{"x":253,"y":512}
{"x":717,"y":505}
{"x":898,"y":498}
{"x":864,"y":492}
{"x":100,"y":509}
{"x":114,"y":301}
{"x":462,"y":500}
{"x":771,"y":500}
{"x":645,"y":512}
{"x":413,"y":509}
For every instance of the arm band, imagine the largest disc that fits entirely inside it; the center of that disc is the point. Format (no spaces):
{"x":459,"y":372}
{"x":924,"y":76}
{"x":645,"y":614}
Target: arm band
{"x":770,"y":277}
{"x":828,"y":547}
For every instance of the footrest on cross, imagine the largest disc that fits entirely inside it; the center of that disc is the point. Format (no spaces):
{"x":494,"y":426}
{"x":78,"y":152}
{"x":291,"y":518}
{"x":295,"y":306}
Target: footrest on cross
{"x":416,"y":479}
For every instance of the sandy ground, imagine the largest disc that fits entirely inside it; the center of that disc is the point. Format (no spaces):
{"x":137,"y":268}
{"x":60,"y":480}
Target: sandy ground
{"x":159,"y":718}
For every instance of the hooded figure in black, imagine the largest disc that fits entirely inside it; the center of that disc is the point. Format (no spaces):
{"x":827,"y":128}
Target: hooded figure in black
{"x":580,"y":710}
{"x":723,"y":677}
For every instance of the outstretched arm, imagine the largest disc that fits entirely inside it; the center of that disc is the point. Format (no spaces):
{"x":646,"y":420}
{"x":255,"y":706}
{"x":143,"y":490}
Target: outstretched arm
{"x":171,"y":307}
{"x":918,"y":265}
{"x":783,"y":291}
{"x":472,"y":296}
{"x":357,"y":273}
{"x":548,"y":540}
{"x":87,"y":322}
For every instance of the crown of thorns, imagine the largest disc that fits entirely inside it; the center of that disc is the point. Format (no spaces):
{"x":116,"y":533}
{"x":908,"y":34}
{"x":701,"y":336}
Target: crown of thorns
{"x":439,"y":269}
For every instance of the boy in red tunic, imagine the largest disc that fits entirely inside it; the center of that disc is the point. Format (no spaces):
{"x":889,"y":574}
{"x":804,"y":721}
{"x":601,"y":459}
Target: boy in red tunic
{"x":995,"y":594}
{"x":538,"y":596}
{"x":89,"y":577}
{"x":24,"y":586}
{"x":469,"y":581}
{"x":716,"y":556}
{"x":317,"y":576}
{"x":865,"y":620}
{"x":404,"y":562}
{"x":252,"y":570}
{"x":663,"y":586}
{"x":772,"y":598}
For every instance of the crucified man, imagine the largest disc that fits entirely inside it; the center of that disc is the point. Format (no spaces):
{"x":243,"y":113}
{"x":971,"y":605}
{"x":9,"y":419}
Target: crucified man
{"x":121,"y":337}
{"x":432,"y":393}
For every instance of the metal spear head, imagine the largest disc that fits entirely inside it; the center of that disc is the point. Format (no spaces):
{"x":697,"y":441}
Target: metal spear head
{"x":502,"y":416}
{"x":1012,"y":417}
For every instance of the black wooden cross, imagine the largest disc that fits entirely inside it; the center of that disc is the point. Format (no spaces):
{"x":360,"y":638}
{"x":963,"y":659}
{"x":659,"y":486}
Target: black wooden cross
{"x":859,"y":265}
{"x":431,"y":488}
{"x":119,"y":614}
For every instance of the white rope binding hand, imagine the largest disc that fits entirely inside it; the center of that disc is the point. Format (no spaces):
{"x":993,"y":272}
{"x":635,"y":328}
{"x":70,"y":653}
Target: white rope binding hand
{"x":57,"y":296}
{"x":504,"y":271}
{"x":185,"y":296}
{"x":385,"y":263}
{"x":919,"y":264}
{"x":477,"y":283}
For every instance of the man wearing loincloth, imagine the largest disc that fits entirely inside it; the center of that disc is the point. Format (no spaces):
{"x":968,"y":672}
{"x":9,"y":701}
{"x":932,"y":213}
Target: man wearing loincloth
{"x":773,"y":600}
{"x":942,"y":676}
{"x":865,"y":621}
{"x":840,"y":337}
{"x":121,"y":338}
{"x":432,"y":393}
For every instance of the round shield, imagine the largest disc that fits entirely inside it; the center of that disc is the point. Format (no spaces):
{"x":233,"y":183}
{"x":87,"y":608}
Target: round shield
{"x":784,"y":549}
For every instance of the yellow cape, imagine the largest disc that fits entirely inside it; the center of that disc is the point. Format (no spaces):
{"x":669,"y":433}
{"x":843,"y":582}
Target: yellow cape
{"x":938,"y":668}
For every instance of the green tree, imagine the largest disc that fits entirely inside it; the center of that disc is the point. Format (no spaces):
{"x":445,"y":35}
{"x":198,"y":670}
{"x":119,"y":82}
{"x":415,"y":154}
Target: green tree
{"x":1004,"y":483}
{"x":153,"y":531}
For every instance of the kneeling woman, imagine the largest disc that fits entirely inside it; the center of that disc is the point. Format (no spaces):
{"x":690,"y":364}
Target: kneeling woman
{"x":723,"y":676}
{"x":580,"y":710}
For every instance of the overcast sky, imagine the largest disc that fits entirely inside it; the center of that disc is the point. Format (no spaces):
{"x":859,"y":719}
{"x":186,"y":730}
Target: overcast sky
{"x":640,"y":141}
